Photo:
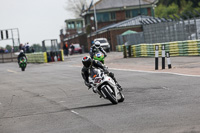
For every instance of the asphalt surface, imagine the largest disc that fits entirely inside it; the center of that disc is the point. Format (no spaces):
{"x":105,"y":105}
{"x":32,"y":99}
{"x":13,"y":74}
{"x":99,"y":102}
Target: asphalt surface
{"x":52,"y":98}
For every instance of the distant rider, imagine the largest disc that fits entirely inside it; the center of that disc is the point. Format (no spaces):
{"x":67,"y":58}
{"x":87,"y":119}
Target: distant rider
{"x":21,"y":54}
{"x":95,"y":48}
{"x":88,"y":62}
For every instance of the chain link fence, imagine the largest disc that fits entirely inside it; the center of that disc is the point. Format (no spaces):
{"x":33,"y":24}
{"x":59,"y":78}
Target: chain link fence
{"x":160,"y":30}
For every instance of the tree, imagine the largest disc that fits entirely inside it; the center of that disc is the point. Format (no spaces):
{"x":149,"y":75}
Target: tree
{"x":176,"y":7}
{"x":164,"y":11}
{"x":37,"y":47}
{"x":76,"y":6}
{"x":9,"y":48}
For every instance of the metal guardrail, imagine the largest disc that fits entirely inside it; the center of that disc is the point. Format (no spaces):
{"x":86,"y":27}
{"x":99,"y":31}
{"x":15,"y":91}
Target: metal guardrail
{"x":8,"y":57}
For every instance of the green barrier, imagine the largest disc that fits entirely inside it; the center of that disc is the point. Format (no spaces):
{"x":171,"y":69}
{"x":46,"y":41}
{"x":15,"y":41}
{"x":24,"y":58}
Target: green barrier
{"x":119,"y":48}
{"x":36,"y":57}
{"x":198,"y":45}
{"x":192,"y":48}
{"x":177,"y":48}
{"x":133,"y":50}
{"x":42,"y":57}
{"x":143,"y":50}
{"x":150,"y":50}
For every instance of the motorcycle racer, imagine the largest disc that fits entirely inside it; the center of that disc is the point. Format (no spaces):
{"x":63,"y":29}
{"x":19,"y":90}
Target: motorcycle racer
{"x":21,"y":54}
{"x":88,"y":62}
{"x":95,"y":48}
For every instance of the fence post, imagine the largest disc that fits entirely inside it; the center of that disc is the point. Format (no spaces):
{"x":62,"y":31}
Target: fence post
{"x":2,"y":58}
{"x":11,"y":57}
{"x":163,"y":56}
{"x":129,"y":50}
{"x":156,"y":57}
{"x":168,"y":60}
{"x":125,"y":51}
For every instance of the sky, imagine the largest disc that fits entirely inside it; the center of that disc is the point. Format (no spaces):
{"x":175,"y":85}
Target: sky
{"x":36,"y":20}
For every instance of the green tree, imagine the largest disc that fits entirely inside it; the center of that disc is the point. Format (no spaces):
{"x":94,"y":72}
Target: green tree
{"x":37,"y":47}
{"x":8,"y":47}
{"x":16,"y":48}
{"x":164,"y":11}
{"x":176,"y":7}
{"x":197,"y":9}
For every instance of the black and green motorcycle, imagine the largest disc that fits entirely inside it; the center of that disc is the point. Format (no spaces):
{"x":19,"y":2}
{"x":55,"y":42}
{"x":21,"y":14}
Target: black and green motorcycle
{"x":22,"y":63}
{"x":99,"y":56}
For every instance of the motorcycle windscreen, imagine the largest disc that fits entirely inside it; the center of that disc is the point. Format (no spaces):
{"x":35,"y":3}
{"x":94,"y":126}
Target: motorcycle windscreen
{"x":22,"y":59}
{"x":93,"y":73}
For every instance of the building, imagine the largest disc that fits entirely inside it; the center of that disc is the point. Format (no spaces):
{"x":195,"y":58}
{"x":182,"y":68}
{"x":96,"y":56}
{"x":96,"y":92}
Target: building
{"x":74,"y":27}
{"x":110,"y":32}
{"x":109,"y":14}
{"x":113,"y":11}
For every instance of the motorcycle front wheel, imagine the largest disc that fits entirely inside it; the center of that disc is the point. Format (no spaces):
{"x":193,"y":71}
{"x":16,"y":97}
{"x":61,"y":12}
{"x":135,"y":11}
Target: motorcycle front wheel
{"x":23,"y":68}
{"x":109,"y":94}
{"x":122,"y":97}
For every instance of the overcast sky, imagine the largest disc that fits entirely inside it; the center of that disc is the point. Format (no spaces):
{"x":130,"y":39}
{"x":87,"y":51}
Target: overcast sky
{"x":36,"y":20}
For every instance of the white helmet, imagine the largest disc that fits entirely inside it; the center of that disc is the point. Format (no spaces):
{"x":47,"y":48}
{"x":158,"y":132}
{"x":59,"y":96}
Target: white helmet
{"x":97,"y":44}
{"x":21,"y":51}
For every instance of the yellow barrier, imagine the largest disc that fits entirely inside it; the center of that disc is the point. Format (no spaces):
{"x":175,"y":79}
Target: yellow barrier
{"x":178,"y":48}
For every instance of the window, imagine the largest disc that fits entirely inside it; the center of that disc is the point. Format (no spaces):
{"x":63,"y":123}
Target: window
{"x":112,"y":16}
{"x":144,"y":11}
{"x":136,"y":12}
{"x":72,"y":25}
{"x":128,"y":14}
{"x":69,"y":25}
{"x":79,"y":25}
{"x":103,"y":17}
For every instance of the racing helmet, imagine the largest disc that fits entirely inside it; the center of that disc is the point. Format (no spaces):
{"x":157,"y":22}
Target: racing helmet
{"x":87,"y":61}
{"x":97,"y":44}
{"x":21,"y":51}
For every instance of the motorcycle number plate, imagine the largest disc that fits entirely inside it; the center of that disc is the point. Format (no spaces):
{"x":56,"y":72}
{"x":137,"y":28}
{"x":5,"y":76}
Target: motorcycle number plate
{"x":97,"y":80}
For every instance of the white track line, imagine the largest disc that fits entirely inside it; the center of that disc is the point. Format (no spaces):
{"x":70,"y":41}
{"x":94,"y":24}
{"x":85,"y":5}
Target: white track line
{"x":130,"y":70}
{"x":74,"y":112}
{"x":156,"y":72}
{"x":11,"y":71}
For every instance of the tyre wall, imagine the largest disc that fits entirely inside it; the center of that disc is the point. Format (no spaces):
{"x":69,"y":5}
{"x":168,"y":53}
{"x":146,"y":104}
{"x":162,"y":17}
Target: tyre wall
{"x":178,"y":48}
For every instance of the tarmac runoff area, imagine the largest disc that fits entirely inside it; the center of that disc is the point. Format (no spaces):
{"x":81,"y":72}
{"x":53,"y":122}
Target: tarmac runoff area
{"x":181,"y":65}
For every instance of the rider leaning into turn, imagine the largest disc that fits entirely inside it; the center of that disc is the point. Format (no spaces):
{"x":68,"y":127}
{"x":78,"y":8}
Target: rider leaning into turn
{"x":88,"y":63}
{"x":95,"y":48}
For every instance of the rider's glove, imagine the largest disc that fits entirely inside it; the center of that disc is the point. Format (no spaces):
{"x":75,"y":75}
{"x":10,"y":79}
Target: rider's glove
{"x":105,"y":55}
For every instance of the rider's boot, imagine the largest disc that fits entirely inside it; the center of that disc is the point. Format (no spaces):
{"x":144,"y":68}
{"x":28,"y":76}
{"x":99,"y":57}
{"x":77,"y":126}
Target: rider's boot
{"x":119,"y":86}
{"x":112,"y":76}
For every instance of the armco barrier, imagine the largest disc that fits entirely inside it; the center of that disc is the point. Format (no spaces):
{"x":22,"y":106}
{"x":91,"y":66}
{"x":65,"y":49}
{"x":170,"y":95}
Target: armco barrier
{"x":44,"y":57}
{"x":178,"y":48}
